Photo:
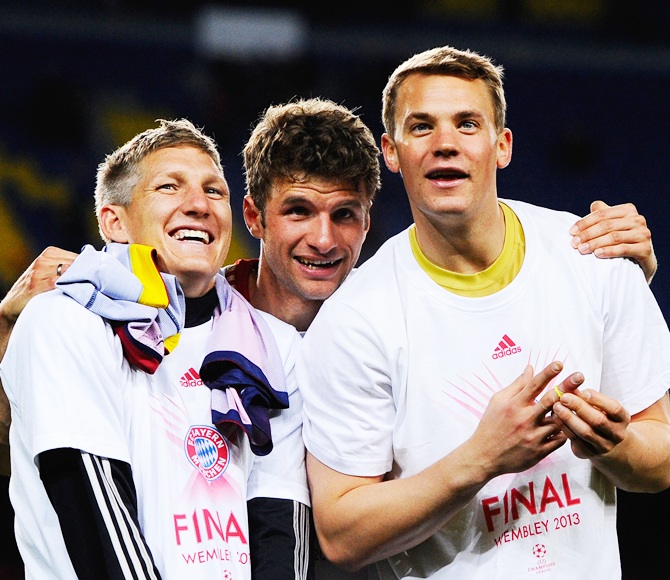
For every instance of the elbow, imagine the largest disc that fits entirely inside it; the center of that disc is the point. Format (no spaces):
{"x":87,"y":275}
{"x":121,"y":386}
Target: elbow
{"x":5,"y":417}
{"x":659,"y":483}
{"x":344,"y":559}
{"x":5,"y":421}
{"x":343,"y":554}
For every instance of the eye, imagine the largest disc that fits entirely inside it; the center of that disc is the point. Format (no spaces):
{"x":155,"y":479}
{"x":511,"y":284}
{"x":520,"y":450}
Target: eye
{"x":297,"y":210}
{"x":469,"y":125}
{"x":420,"y":128}
{"x":344,"y":213}
{"x":169,"y":187}
{"x":216,"y":193}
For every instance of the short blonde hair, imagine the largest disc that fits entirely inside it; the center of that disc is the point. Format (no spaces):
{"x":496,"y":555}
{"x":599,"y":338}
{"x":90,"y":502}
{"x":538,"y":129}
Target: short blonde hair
{"x":119,"y":173}
{"x":449,"y":61}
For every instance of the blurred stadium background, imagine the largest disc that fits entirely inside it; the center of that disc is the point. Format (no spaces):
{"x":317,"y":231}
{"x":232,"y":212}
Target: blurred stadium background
{"x":587,"y":81}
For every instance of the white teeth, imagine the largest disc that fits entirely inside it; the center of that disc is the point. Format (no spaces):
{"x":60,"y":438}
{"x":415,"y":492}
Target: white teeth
{"x":192,"y":235}
{"x":312,"y":264}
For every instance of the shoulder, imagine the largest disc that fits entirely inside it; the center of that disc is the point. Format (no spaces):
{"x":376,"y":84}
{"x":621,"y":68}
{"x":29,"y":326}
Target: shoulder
{"x":65,"y":328}
{"x":237,"y":274}
{"x":377,"y":270}
{"x":286,"y":336}
{"x":55,"y":312}
{"x":541,"y":216}
{"x":547,"y":235}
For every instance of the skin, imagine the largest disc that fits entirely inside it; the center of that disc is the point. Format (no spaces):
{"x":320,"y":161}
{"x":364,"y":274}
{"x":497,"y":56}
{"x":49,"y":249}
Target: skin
{"x":613,"y":232}
{"x":601,"y":429}
{"x":181,"y":207}
{"x":181,"y":199}
{"x":514,"y":434}
{"x":40,"y":276}
{"x":609,"y":231}
{"x":294,"y":294}
{"x":311,"y":234}
{"x":448,"y":155}
{"x":447,"y":150}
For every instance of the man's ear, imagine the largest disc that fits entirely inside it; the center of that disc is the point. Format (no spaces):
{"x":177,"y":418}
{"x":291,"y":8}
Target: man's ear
{"x":504,"y":149}
{"x":112,"y":223}
{"x":252,"y":217}
{"x":389,"y":152}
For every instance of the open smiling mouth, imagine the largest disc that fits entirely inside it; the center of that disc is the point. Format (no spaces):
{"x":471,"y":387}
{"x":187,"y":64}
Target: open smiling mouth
{"x":447,"y":174}
{"x":317,"y":265}
{"x":192,"y":235}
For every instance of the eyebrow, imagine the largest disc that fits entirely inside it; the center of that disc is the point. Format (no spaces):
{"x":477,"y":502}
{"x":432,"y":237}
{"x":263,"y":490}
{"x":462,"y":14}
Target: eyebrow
{"x":294,"y":198}
{"x":419,"y":116}
{"x":353,"y":202}
{"x":472,"y":114}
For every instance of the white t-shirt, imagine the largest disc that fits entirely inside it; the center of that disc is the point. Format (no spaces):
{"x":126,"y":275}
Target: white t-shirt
{"x":73,"y":389}
{"x":281,"y":474}
{"x":396,"y":372}
{"x":288,"y":456}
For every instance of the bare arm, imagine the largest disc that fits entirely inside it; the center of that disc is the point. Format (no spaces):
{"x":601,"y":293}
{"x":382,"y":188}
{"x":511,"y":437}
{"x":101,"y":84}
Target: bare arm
{"x":633,"y":452}
{"x":616,"y":231}
{"x":40,"y":276}
{"x":360,"y":520}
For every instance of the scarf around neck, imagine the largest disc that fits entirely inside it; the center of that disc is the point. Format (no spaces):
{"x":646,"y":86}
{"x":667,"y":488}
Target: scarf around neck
{"x":146,"y":309}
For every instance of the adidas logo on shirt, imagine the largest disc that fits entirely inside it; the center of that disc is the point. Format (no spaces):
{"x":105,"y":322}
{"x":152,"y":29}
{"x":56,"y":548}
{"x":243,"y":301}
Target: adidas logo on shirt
{"x":505,"y":347}
{"x":190,"y":378}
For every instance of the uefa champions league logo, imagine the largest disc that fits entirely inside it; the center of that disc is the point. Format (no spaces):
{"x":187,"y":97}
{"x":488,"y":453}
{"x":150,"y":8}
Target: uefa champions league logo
{"x":539,"y":550}
{"x":541,"y":564}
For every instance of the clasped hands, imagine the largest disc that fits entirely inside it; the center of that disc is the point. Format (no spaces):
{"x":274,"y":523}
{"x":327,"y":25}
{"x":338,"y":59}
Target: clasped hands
{"x":593,"y":422}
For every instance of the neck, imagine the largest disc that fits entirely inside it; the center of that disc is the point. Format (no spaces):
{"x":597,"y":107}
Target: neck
{"x":268,"y":295}
{"x":461,"y":245}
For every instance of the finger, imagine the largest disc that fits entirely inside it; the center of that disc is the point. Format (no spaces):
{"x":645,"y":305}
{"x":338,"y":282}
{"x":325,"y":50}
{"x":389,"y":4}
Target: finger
{"x":61,"y":257}
{"x":522,"y":380}
{"x":538,"y":383}
{"x":604,"y":218}
{"x":61,"y":268}
{"x":619,"y":238}
{"x":580,"y":447}
{"x":610,"y":407}
{"x":598,"y":204}
{"x":553,"y":442}
{"x":565,"y":429}
{"x":595,"y":430}
{"x":599,"y":211}
{"x":51,"y":263}
{"x":636,"y":250}
{"x":568,"y":385}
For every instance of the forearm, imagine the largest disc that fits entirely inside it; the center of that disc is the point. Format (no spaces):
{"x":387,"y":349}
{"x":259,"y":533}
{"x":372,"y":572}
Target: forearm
{"x":5,"y":420}
{"x":5,"y":417}
{"x":6,"y":326}
{"x":649,"y":266}
{"x":377,"y":519}
{"x":362,"y":520}
{"x":641,"y":463}
{"x":5,"y":466}
{"x":96,"y":504}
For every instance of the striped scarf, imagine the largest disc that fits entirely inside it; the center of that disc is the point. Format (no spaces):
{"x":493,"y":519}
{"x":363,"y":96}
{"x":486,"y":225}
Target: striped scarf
{"x":145,"y":308}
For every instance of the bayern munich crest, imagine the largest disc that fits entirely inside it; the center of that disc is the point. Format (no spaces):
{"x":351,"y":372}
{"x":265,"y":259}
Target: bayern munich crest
{"x":207,"y":450}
